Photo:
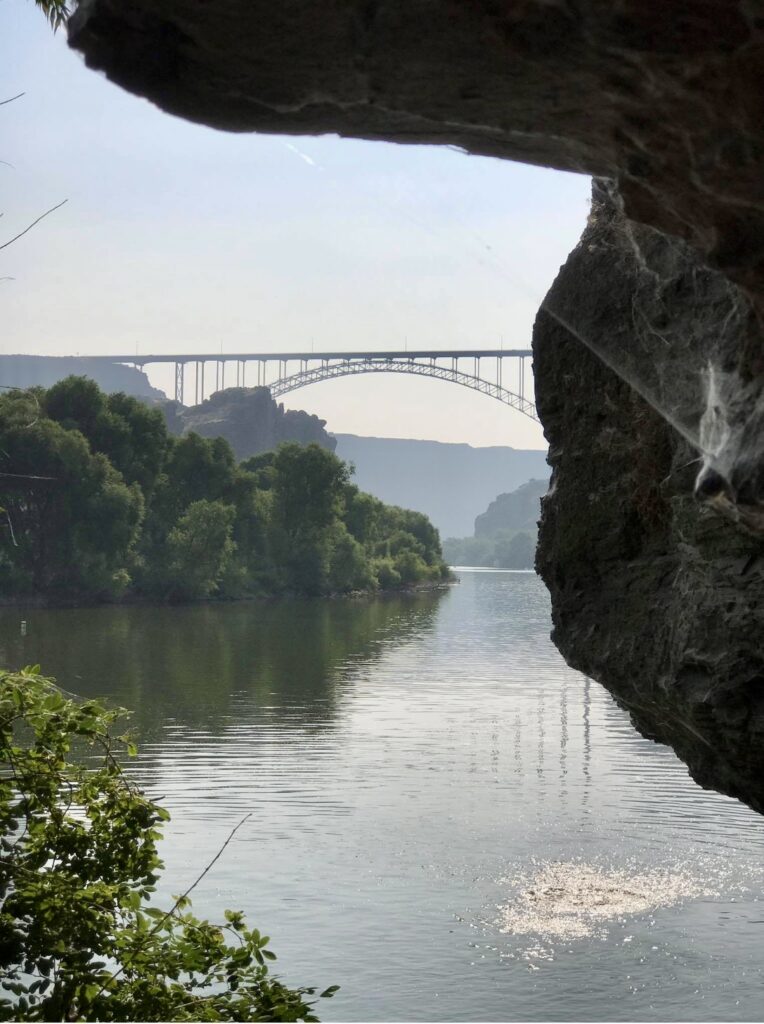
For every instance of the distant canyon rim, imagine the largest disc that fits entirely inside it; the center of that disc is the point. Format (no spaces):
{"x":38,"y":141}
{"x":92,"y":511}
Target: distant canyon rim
{"x":656,"y":595}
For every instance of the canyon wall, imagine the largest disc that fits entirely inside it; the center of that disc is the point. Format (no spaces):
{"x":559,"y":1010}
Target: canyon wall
{"x":44,"y":371}
{"x":653,"y":594}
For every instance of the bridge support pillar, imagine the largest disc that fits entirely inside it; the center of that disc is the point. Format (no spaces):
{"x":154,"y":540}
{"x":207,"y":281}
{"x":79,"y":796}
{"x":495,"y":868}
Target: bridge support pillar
{"x":179,"y":368}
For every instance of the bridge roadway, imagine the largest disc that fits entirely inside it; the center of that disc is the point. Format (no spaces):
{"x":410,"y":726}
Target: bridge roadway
{"x":442,"y":364}
{"x":273,"y":357}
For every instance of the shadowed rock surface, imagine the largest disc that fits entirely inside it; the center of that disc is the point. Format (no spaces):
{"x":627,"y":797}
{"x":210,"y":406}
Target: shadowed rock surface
{"x":250,"y":420}
{"x":657,"y":597}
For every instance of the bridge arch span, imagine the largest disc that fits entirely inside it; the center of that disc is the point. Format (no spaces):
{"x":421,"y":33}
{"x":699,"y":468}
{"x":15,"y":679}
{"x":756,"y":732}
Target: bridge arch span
{"x":332,"y":370}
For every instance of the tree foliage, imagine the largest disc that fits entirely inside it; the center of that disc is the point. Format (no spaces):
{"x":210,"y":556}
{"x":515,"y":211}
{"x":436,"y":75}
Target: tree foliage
{"x":505,"y":549}
{"x":80,"y":938}
{"x":72,"y":522}
{"x":56,"y":11}
{"x":99,"y":499}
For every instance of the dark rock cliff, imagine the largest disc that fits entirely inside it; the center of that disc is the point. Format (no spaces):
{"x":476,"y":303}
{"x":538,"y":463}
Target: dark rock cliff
{"x":656,"y":596}
{"x":250,"y":420}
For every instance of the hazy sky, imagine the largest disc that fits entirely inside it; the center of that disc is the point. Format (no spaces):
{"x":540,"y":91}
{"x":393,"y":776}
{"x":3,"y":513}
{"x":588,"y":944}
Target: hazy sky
{"x":179,"y":238}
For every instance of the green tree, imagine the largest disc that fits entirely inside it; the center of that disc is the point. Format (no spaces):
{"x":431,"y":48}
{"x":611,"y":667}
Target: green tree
{"x":97,"y":496}
{"x":199,"y":550}
{"x":131,"y":435}
{"x":76,"y":403}
{"x":410,"y":566}
{"x":349,"y":568}
{"x":79,"y":936}
{"x":72,"y":520}
{"x":262,"y":468}
{"x":198,"y":469}
{"x":362,"y":514}
{"x":250,"y":532}
{"x":308,"y":485}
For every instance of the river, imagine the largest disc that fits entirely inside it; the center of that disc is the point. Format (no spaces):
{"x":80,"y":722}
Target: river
{"x":445,"y":819}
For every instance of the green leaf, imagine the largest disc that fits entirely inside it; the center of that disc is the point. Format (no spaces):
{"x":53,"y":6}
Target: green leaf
{"x":91,"y":906}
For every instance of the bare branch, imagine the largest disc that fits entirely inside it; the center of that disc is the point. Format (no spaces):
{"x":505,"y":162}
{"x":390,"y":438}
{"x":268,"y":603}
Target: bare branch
{"x":30,"y":226}
{"x":182,"y":897}
{"x":26,"y":476}
{"x":12,"y":98}
{"x":214,"y":860}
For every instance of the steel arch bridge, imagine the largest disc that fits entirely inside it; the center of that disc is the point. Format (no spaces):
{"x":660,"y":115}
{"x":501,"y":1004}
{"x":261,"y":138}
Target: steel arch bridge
{"x":412,"y":366}
{"x":502,"y":374}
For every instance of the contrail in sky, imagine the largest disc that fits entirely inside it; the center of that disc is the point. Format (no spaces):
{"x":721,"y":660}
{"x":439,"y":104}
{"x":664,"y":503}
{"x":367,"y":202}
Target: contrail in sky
{"x":303,"y":156}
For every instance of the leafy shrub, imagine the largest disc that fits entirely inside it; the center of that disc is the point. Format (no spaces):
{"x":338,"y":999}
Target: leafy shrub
{"x":79,"y":938}
{"x":200,"y":549}
{"x":387,"y":575}
{"x":410,"y":566}
{"x":349,"y":568}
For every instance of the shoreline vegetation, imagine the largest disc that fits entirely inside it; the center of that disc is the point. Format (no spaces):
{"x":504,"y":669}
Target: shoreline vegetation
{"x":84,"y":939}
{"x":99,"y":503}
{"x":41,"y":601}
{"x":505,"y":549}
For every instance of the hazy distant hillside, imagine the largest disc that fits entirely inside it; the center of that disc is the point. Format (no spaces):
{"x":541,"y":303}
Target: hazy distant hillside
{"x":505,"y":534}
{"x":45,"y":371}
{"x":519,"y":510}
{"x":451,"y":483}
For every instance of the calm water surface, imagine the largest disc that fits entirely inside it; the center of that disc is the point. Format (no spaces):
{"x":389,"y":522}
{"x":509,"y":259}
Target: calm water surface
{"x":409,"y":766}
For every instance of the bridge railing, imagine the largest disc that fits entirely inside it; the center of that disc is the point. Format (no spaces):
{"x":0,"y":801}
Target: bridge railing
{"x":503,"y":374}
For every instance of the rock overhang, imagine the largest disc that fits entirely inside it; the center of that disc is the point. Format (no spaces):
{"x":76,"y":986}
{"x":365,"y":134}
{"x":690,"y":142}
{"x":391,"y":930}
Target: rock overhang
{"x":666,"y":98}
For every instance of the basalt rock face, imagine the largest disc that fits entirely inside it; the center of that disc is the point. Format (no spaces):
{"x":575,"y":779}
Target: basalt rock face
{"x":250,"y":420}
{"x":657,"y":597}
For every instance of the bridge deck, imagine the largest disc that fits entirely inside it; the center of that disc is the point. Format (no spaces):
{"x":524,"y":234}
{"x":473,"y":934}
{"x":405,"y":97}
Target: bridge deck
{"x":262,"y":357}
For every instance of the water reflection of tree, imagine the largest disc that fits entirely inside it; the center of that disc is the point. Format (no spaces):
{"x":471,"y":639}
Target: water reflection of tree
{"x":198,"y":665}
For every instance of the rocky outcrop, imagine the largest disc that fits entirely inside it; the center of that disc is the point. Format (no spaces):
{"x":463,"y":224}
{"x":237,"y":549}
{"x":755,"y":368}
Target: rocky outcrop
{"x":250,"y":420}
{"x":517,"y":510}
{"x":653,"y":594}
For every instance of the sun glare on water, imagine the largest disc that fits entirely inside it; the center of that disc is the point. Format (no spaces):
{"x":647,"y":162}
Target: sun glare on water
{"x":571,"y":900}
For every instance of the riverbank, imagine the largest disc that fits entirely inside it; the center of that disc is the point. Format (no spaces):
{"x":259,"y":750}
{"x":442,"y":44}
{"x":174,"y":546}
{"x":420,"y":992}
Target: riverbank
{"x":42,"y":601}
